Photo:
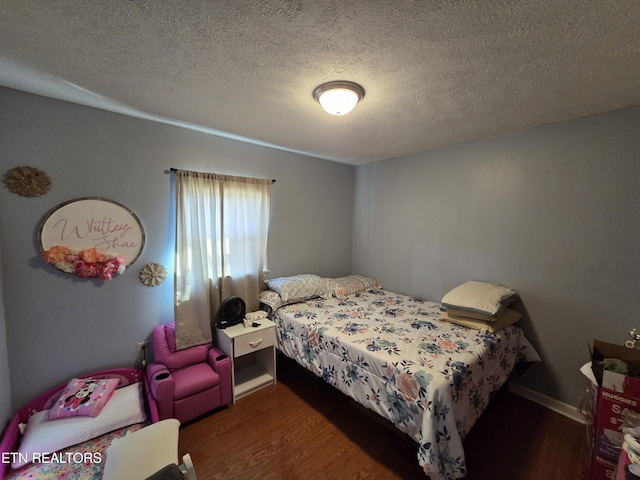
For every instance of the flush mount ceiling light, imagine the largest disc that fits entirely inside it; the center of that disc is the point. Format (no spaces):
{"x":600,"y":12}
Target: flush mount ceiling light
{"x":338,"y":98}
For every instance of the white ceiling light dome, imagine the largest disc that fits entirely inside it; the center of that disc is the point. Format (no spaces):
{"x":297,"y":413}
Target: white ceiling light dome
{"x":339,"y":97}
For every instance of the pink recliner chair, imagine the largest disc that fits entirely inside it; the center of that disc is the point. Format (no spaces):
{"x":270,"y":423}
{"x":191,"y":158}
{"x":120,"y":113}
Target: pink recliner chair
{"x":187,"y":383}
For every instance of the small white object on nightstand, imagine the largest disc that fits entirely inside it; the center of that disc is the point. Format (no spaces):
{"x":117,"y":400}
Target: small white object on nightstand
{"x":253,"y":351}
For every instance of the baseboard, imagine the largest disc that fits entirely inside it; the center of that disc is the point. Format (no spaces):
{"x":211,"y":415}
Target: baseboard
{"x":548,"y":402}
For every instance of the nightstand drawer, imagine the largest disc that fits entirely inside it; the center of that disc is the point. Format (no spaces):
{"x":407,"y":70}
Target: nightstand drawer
{"x":254,"y":341}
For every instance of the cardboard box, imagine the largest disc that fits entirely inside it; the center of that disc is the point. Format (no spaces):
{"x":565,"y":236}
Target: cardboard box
{"x":609,"y":421}
{"x":619,"y":382}
{"x":631,"y":356}
{"x":617,"y":393}
{"x":602,"y":469}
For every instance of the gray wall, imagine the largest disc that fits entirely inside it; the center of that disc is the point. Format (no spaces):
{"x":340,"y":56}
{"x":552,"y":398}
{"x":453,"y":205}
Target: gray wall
{"x":58,"y":325}
{"x":5,"y":388}
{"x":553,"y":212}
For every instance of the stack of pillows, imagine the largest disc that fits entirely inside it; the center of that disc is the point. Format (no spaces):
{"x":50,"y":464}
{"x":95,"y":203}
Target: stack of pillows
{"x":481,"y":305}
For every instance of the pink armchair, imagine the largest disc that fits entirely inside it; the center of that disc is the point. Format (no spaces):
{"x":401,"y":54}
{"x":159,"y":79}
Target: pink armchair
{"x":187,"y":383}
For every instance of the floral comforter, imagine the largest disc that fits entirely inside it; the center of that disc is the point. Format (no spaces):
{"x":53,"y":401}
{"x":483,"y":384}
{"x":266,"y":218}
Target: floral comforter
{"x":394,"y":355}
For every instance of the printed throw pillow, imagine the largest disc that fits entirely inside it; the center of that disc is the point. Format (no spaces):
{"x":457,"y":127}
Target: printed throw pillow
{"x":271,"y":299}
{"x":345,"y":286}
{"x":274,"y":301}
{"x":303,"y":286}
{"x":83,"y":397}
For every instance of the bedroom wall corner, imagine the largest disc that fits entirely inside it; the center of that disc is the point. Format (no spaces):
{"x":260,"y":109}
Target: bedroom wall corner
{"x":552,"y":211}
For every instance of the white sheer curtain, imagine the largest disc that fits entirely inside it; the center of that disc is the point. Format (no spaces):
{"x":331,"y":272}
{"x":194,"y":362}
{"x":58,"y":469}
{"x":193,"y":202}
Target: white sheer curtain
{"x":222,"y":224}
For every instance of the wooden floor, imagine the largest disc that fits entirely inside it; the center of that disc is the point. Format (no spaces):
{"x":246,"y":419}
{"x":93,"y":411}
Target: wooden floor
{"x":302,"y":428}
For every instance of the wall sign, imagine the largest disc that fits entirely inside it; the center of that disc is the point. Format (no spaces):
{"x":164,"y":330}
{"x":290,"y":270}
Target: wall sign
{"x":80,"y":236}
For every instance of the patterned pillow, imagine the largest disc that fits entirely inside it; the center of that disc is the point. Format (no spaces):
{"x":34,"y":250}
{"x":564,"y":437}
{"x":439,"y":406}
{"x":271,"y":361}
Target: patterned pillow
{"x":300,"y":287}
{"x":274,"y":301}
{"x":83,"y":397}
{"x":345,"y":286}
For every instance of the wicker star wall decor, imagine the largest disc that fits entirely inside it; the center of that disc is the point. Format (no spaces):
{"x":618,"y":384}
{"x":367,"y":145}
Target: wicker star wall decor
{"x":27,"y":181}
{"x":153,"y":274}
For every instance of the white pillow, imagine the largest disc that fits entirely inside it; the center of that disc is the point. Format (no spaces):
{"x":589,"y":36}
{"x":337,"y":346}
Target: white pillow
{"x":124,"y":408}
{"x":303,"y":286}
{"x":480,"y":297}
{"x":156,"y":444}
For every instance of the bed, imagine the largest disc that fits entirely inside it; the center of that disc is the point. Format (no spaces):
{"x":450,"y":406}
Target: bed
{"x":114,"y":423}
{"x":400,"y":357}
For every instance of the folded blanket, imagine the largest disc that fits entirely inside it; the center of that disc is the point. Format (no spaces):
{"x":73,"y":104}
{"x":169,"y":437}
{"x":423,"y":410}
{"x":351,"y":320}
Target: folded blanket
{"x":507,"y":317}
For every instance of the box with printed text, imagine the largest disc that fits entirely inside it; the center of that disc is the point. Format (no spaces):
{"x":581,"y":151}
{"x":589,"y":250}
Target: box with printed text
{"x":618,"y":396}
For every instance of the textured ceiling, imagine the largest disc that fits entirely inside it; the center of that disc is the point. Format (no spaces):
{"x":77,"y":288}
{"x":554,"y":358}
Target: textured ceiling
{"x":435,"y":72}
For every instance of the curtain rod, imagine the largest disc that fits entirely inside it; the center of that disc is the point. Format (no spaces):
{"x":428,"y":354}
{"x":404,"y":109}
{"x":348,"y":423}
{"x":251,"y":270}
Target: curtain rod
{"x":174,"y":170}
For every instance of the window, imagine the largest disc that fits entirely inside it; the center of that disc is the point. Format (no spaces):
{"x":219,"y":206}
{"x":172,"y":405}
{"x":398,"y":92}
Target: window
{"x":222,"y":224}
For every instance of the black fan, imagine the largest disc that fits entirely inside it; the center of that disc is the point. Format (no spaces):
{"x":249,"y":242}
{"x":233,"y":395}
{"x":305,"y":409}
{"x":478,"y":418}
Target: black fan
{"x":231,"y":312}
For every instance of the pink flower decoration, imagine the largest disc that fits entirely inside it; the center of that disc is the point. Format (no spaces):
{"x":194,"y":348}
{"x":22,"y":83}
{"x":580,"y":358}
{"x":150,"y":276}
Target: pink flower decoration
{"x":55,"y":254}
{"x":87,"y":270}
{"x":86,"y":263}
{"x":90,"y":255}
{"x":104,"y":276}
{"x":110,"y":267}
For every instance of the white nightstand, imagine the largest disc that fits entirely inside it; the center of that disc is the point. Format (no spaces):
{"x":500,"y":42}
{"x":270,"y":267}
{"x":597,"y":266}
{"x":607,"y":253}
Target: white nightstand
{"x":253,"y":350}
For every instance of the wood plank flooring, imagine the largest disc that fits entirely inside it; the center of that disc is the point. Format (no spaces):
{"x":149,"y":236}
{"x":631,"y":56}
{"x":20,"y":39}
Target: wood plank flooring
{"x":302,"y":428}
